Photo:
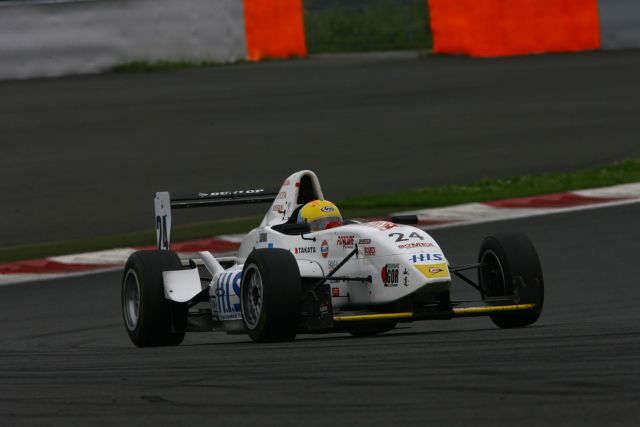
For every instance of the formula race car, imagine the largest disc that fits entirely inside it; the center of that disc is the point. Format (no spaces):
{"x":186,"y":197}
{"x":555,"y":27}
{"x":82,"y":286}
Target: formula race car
{"x":357,"y":277}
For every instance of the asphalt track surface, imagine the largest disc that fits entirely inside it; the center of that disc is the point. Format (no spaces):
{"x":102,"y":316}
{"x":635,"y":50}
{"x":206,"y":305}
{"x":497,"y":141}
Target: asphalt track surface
{"x":83,"y":156}
{"x":66,"y":359}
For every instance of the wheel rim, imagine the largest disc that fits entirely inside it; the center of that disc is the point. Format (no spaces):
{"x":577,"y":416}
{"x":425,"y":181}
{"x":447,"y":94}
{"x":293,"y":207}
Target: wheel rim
{"x":252,"y":296}
{"x":492,"y":280}
{"x":131,"y":300}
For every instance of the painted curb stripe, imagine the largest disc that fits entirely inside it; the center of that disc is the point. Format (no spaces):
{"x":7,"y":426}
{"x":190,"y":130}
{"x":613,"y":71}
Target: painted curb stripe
{"x":465,"y":214}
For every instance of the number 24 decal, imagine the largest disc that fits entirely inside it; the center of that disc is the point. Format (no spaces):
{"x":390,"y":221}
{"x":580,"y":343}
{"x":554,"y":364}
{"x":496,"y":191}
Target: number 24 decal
{"x":400,"y":236}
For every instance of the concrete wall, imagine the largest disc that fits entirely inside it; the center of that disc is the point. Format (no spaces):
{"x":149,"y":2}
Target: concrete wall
{"x":59,"y":38}
{"x":619,"y":23}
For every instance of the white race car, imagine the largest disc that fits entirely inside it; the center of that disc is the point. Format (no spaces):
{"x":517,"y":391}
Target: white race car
{"x":360,"y":277}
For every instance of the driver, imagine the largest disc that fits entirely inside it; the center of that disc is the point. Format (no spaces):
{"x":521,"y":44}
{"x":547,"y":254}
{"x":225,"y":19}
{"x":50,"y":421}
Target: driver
{"x":320,"y":215}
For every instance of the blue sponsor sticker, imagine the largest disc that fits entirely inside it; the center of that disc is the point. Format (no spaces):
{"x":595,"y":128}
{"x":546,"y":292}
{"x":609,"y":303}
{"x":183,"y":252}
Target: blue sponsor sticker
{"x":426,"y":257}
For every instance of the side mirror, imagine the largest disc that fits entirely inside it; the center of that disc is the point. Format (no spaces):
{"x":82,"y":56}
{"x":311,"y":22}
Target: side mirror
{"x":405,"y":219}
{"x":293,"y":229}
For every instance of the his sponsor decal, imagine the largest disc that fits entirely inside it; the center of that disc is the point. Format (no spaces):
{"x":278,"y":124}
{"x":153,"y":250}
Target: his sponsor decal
{"x":324,"y":249}
{"x":335,"y":292}
{"x":381,"y":225}
{"x":263,"y":238}
{"x":346,"y":242}
{"x":327,"y":209}
{"x":414,"y":245}
{"x":433,"y":271}
{"x":370,"y":251}
{"x":390,"y":273}
{"x":227,"y":294}
{"x":305,"y":250}
{"x":364,"y":241}
{"x":427,"y":257}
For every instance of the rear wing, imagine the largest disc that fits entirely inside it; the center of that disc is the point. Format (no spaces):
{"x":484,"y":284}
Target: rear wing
{"x":164,"y":203}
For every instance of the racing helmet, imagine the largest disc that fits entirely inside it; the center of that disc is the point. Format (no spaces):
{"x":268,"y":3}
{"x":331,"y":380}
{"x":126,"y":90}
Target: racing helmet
{"x":320,"y":215}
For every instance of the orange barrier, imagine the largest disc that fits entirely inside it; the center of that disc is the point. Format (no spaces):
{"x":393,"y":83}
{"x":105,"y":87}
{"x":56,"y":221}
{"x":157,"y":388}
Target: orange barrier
{"x":513,"y":27}
{"x":274,"y":29}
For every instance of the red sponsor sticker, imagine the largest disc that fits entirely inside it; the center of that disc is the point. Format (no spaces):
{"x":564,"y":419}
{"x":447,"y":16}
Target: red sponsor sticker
{"x":381,"y":225}
{"x":416,"y":245}
{"x":370,"y":251}
{"x":335,"y":292}
{"x":346,"y":241}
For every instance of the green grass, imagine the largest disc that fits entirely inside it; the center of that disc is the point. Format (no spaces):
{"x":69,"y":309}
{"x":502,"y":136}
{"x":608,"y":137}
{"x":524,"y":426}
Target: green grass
{"x":495,"y":189}
{"x":483,"y":190}
{"x":366,"y":25}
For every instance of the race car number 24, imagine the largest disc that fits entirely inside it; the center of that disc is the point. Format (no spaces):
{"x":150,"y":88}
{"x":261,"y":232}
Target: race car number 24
{"x":400,"y":237}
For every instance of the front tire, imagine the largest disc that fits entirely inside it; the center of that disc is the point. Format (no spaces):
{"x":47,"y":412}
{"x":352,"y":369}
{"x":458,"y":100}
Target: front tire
{"x":149,"y":318}
{"x":270,"y":295}
{"x":504,"y":259}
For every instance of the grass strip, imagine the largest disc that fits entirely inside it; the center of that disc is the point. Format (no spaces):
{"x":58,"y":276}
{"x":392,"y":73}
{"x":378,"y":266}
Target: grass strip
{"x":429,"y":197}
{"x":505,"y":188}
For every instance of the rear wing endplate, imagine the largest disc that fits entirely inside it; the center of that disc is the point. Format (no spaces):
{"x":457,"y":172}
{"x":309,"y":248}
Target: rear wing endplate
{"x":164,"y":202}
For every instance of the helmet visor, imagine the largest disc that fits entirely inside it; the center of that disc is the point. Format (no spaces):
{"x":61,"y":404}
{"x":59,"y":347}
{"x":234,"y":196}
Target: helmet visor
{"x":321,"y":223}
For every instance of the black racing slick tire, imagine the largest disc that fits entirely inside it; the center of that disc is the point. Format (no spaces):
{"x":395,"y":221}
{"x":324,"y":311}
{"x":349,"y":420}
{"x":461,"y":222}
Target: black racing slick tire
{"x":510,"y":267}
{"x":149,"y":318}
{"x":270,"y":295}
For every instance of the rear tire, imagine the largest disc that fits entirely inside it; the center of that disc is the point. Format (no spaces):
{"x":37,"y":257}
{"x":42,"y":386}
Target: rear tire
{"x":270,"y":295}
{"x":505,"y":258}
{"x":151,"y":319}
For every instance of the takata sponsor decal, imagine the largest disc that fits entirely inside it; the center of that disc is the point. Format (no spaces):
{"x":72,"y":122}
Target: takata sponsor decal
{"x":413,"y":245}
{"x":262,"y":238}
{"x":324,"y":249}
{"x":304,"y":250}
{"x":231,"y":193}
{"x":370,"y":251}
{"x":346,"y":242}
{"x":381,"y":225}
{"x":335,"y":292}
{"x":327,"y":209}
{"x":433,"y":271}
{"x":427,"y":257}
{"x":364,"y":241}
{"x":390,"y":274}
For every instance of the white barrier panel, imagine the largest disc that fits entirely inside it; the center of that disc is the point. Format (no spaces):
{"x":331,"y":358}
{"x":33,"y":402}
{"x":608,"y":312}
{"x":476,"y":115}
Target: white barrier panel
{"x":619,"y":23}
{"x":61,"y":38}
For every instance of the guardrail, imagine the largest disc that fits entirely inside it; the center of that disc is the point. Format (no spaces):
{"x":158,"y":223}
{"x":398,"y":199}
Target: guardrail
{"x":55,"y":38}
{"x":72,"y":37}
